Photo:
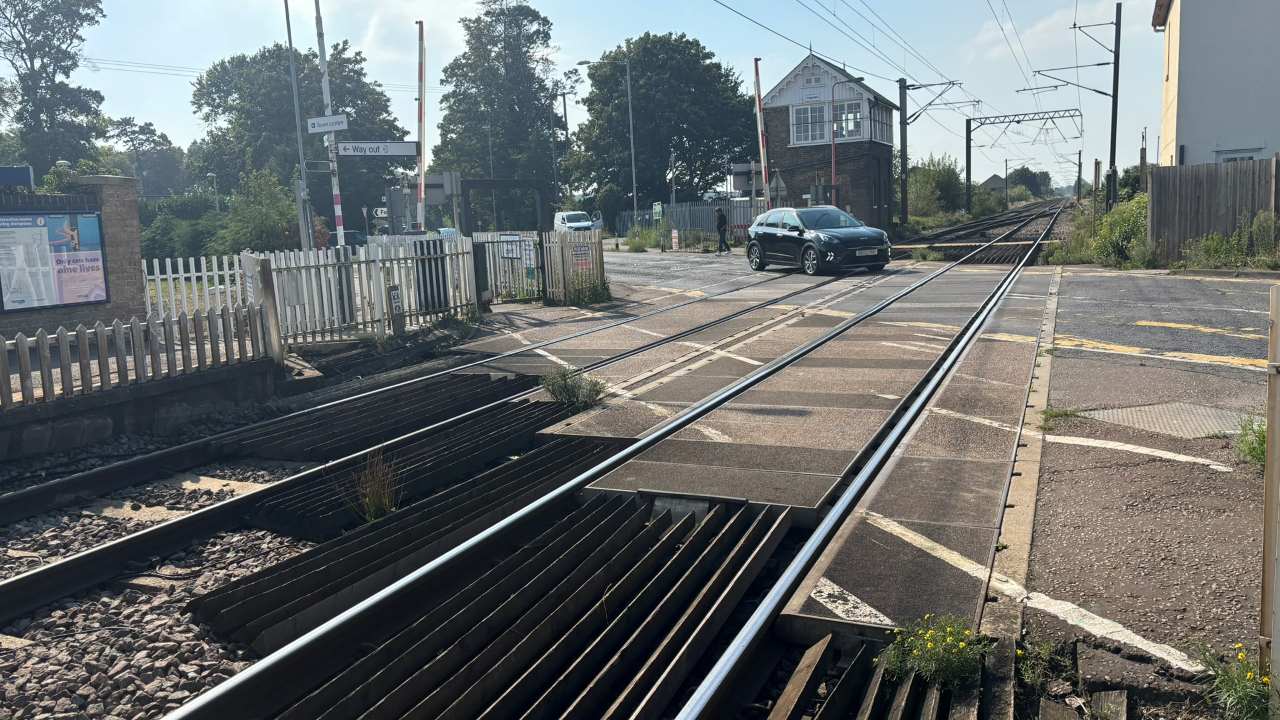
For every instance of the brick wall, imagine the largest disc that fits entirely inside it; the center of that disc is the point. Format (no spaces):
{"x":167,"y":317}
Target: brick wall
{"x":863,"y":170}
{"x":121,"y":239}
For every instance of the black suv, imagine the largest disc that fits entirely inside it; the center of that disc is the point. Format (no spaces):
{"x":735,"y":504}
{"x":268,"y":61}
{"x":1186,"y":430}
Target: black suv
{"x":816,"y":239}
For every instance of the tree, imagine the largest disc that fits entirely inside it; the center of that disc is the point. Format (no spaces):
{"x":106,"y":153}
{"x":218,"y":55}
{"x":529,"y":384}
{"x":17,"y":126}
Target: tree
{"x":986,"y":202}
{"x":261,"y":217}
{"x":942,"y":176}
{"x":153,"y":158}
{"x":1039,"y":184}
{"x":41,"y":40}
{"x":1130,"y":183}
{"x":686,"y":105}
{"x":499,"y":115}
{"x":245,"y":100}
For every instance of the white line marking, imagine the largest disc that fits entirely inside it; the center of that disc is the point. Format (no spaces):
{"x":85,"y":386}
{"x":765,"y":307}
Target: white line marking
{"x":846,"y":605}
{"x":1066,"y":611}
{"x":900,"y":346}
{"x":932,"y":337}
{"x":887,"y":396}
{"x":1088,"y":442}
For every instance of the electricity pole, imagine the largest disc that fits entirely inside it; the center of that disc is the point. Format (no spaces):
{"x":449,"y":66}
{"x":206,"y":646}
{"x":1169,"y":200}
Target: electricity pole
{"x":1113,"y":178}
{"x":300,"y":188}
{"x":329,"y":138}
{"x":902,"y":130}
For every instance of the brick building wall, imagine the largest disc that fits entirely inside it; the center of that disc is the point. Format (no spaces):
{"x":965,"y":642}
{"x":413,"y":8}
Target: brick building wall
{"x":122,"y":248}
{"x":863,"y":170}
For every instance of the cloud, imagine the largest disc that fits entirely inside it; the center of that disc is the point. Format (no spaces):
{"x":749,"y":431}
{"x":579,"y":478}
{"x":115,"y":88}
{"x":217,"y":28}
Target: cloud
{"x":1050,"y":35}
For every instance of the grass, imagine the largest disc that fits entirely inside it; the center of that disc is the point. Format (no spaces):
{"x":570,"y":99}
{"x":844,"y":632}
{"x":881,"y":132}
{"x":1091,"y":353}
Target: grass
{"x":1238,"y":687}
{"x":636,"y":244}
{"x":941,"y":649}
{"x":376,"y":495}
{"x":1251,"y":443}
{"x":574,"y":389}
{"x":1049,"y":414}
{"x":927,"y":255}
{"x":1039,"y":662}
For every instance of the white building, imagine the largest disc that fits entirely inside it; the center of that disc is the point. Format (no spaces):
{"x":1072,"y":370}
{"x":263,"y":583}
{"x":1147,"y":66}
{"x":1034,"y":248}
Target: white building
{"x":1221,"y":90}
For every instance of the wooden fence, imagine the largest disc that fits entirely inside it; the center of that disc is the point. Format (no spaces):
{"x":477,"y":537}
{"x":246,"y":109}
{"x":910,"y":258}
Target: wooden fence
{"x":342,"y":293}
{"x":193,"y":284}
{"x":1188,"y":202}
{"x":66,"y":363}
{"x":574,"y":265}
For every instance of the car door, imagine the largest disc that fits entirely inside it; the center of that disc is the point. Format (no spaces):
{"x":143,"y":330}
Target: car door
{"x":790,"y":236}
{"x":767,"y":235}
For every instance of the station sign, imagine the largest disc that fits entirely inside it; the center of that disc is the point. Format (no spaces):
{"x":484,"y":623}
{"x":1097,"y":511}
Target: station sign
{"x":327,"y":123}
{"x":366,"y":148}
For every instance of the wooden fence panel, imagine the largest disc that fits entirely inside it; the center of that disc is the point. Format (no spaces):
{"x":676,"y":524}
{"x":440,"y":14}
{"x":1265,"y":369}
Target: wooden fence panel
{"x":6,"y":385}
{"x":85,"y":355}
{"x":66,"y":382}
{"x":23,"y":348}
{"x":1188,"y":202}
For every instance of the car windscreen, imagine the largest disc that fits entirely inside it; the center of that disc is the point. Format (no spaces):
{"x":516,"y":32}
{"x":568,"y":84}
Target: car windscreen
{"x":577,"y":217}
{"x":827,"y":218}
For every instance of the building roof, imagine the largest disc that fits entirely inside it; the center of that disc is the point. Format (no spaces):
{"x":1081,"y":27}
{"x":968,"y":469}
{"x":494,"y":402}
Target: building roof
{"x":1160,"y":16}
{"x":859,"y":81}
{"x":995,"y":181}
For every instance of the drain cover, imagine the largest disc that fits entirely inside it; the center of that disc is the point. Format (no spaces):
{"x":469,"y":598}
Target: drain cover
{"x":1180,"y":419}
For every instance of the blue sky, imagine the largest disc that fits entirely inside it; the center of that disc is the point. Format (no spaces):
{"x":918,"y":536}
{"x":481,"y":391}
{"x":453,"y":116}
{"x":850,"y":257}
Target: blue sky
{"x":959,"y":37}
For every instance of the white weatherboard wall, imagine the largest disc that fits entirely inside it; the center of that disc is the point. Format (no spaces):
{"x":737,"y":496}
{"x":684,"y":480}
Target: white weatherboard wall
{"x":1221,"y":95}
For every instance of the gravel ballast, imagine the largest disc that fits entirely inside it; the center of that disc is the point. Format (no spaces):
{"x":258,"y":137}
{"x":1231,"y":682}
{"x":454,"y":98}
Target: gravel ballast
{"x":133,"y":655}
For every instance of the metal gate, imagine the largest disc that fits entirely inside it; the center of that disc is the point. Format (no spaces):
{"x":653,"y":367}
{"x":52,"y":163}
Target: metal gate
{"x":513,"y":264}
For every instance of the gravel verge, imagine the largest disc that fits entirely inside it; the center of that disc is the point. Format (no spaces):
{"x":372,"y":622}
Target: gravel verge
{"x":56,"y":535}
{"x":121,"y":653}
{"x":257,"y":471}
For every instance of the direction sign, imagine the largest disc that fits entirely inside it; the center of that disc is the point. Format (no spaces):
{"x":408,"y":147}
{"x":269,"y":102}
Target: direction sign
{"x":365,"y":148}
{"x":380,"y":212}
{"x":328,"y":123}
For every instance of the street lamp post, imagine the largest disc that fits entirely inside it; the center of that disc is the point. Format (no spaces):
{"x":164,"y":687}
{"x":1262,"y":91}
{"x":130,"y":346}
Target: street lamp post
{"x":832,"y":194}
{"x":631,"y":130}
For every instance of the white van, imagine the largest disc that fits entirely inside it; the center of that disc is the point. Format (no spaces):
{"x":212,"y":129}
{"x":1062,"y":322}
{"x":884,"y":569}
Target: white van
{"x":573,"y":221}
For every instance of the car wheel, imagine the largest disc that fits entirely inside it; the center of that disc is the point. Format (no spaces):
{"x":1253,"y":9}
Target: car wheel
{"x":755,"y":257}
{"x":809,"y":260}
{"x":875,"y":268}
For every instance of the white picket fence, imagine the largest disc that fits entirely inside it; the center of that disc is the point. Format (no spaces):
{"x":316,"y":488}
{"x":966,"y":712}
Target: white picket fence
{"x":66,"y":363}
{"x":193,"y":284}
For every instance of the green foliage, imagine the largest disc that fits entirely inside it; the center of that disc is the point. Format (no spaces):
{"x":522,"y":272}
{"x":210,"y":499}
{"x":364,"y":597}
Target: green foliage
{"x":1238,"y":686}
{"x":501,"y":107}
{"x":1077,"y":249}
{"x":986,"y":202}
{"x":1251,"y":442}
{"x":941,"y":649}
{"x":41,"y":41}
{"x":1019,"y":194}
{"x":927,"y":255}
{"x":686,"y":103}
{"x":374,"y":488}
{"x":244,"y":99}
{"x":1039,"y":184}
{"x":261,"y":217}
{"x":940,"y":175}
{"x":573,"y":388}
{"x":1039,"y":662}
{"x":1122,"y":236}
{"x":1217,"y":251}
{"x":648,"y":236}
{"x":1130,"y":183}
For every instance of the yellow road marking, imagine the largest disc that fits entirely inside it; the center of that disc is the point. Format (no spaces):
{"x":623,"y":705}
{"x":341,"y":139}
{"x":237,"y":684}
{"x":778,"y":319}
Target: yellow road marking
{"x":1078,"y":343}
{"x":1235,"y":333}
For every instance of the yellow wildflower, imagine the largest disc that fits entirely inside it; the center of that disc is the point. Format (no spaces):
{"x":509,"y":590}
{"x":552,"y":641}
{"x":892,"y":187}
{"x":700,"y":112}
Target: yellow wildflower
{"x":1248,"y":675}
{"x":1239,"y":646}
{"x":929,"y":646}
{"x":1241,"y":657}
{"x":1266,"y":679}
{"x":961,"y":646}
{"x":1019,"y":652}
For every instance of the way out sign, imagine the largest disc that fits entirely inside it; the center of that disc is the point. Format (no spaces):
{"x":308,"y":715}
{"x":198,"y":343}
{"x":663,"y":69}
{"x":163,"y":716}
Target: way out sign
{"x":365,"y":148}
{"x":328,"y":123}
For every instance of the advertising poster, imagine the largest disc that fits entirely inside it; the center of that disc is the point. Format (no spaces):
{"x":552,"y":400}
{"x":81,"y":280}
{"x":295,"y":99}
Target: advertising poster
{"x":49,"y":259}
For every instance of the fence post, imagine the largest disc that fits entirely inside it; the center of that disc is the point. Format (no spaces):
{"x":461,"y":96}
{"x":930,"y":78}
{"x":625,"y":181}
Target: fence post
{"x":64,"y":363}
{"x":6,"y":385}
{"x":23,"y":349}
{"x":46,"y":365}
{"x":270,"y":310}
{"x":104,"y":355}
{"x":1271,"y":488}
{"x":82,"y":352}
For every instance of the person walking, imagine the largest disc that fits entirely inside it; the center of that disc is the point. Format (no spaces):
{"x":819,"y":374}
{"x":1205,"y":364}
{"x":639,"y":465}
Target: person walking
{"x":722,"y":227}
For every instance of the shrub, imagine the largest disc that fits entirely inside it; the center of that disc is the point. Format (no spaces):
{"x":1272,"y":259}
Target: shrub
{"x":927,"y":255}
{"x":941,"y":649}
{"x":1122,"y":237}
{"x":574,"y":389}
{"x":1039,"y":662}
{"x":1251,"y":442}
{"x":1239,"y":687}
{"x":636,"y":244}
{"x":376,"y":495}
{"x":1217,"y":251}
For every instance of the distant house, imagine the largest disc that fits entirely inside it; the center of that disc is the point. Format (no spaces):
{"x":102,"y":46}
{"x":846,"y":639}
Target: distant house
{"x":801,"y":115}
{"x":995,"y":184}
{"x":1221,"y":99}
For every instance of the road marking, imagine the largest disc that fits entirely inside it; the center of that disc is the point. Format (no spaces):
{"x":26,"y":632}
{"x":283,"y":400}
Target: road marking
{"x":1087,"y":442}
{"x":932,"y":337}
{"x":1065,"y":611}
{"x":704,"y":348}
{"x":846,"y":605}
{"x":900,"y":346}
{"x":1009,"y":337}
{"x":1228,"y":332}
{"x":1224,"y":308}
{"x":1098,"y":346}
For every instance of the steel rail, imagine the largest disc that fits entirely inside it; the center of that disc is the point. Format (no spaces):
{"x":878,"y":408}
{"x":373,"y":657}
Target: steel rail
{"x":323,"y":649}
{"x":139,"y":469}
{"x":707,"y":694}
{"x":46,"y":583}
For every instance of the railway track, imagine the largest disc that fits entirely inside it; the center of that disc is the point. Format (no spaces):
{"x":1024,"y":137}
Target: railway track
{"x":552,"y":602}
{"x":957,"y":240}
{"x":437,"y":431}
